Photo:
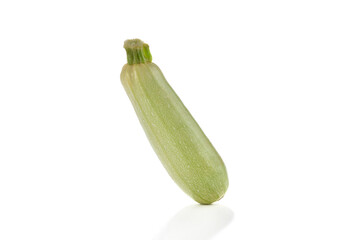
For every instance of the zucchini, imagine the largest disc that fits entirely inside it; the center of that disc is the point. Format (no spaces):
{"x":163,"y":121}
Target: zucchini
{"x":182,"y":147}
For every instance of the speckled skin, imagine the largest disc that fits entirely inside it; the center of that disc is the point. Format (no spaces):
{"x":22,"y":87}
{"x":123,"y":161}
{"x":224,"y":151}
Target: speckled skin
{"x":184,"y":150}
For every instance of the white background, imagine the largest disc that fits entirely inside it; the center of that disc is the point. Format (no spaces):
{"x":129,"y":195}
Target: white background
{"x":275,"y":85}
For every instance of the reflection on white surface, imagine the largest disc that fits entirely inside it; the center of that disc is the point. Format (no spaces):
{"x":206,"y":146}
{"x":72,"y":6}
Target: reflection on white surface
{"x":196,"y":222}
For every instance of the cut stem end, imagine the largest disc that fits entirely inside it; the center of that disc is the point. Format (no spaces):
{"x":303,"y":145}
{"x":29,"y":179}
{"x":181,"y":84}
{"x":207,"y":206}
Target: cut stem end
{"x":137,"y":51}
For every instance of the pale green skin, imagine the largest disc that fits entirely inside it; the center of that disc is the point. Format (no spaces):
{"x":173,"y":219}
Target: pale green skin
{"x":184,"y":150}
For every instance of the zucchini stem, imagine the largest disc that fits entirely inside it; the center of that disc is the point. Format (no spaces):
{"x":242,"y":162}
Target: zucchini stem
{"x":137,"y":51}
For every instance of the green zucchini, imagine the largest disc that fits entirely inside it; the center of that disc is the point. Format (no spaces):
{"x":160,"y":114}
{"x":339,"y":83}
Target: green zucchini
{"x":182,"y":147}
